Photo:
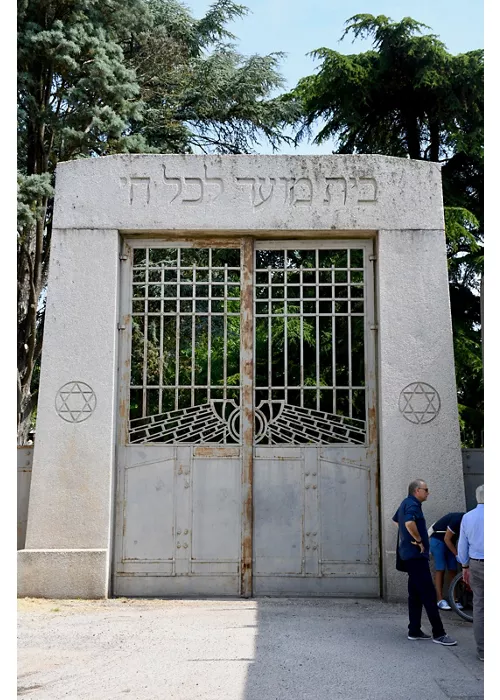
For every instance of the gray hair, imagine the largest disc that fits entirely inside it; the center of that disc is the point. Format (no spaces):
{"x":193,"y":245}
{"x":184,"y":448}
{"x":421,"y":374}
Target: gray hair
{"x":414,"y":485}
{"x":480,"y":494}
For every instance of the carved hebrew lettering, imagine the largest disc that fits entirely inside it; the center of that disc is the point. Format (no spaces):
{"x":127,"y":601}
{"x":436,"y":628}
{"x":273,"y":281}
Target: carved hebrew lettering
{"x":195,"y":182}
{"x":248,"y":181}
{"x":303,"y":186}
{"x":360,"y":190}
{"x":338,"y":191}
{"x":352,"y":189}
{"x":215,"y":181}
{"x":264,"y":191}
{"x":192,"y":189}
{"x":367,"y":189}
{"x":289,"y":184}
{"x":139,"y":189}
{"x":173,"y":180}
{"x":335,"y":186}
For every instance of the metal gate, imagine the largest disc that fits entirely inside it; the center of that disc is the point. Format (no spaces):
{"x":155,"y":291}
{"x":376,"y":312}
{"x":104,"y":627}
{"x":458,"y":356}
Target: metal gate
{"x":247,"y":455}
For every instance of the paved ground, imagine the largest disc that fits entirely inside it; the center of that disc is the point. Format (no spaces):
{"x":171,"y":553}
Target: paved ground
{"x":263,"y":649}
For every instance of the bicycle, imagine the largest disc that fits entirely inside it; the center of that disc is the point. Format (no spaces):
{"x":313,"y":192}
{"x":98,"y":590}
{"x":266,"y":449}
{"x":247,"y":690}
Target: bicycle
{"x":460,"y":592}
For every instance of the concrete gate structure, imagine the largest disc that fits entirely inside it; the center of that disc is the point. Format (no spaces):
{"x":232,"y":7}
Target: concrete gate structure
{"x":246,"y":360}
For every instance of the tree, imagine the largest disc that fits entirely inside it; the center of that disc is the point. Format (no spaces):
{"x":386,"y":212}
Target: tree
{"x":75,"y":97}
{"x":98,"y":77}
{"x":199,"y":92}
{"x":409,"y":97}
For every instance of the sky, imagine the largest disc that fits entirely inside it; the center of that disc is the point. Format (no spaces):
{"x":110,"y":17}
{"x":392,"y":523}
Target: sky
{"x":297,"y":27}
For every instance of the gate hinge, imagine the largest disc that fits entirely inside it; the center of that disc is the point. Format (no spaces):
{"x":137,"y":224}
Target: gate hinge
{"x":120,"y":327}
{"x":374,"y":328}
{"x":123,"y":257}
{"x":372,"y":258}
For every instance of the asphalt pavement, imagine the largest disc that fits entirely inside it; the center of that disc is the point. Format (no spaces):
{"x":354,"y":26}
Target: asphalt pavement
{"x":232,"y":649}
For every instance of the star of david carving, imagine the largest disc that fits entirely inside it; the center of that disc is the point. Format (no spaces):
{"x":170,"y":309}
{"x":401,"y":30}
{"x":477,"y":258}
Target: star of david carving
{"x":419,"y":403}
{"x":75,"y":402}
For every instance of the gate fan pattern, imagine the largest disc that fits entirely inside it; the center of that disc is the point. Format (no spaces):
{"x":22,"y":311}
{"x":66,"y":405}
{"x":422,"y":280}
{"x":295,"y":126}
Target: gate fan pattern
{"x":218,"y":421}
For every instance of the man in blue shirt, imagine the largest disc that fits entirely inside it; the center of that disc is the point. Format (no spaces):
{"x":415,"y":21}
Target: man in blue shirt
{"x":413,"y":549}
{"x":443,"y":539}
{"x":471,"y":556}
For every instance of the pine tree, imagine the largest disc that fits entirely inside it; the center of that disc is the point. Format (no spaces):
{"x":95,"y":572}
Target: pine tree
{"x":409,"y":97}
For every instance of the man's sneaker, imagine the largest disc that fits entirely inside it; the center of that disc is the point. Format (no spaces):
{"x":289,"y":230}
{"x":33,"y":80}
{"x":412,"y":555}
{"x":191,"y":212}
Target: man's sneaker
{"x":443,"y":605}
{"x":444,"y":640}
{"x":420,"y":635}
{"x":459,"y":605}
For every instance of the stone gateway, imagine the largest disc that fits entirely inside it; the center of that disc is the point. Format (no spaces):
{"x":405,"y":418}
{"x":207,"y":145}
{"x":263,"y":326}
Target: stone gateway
{"x":246,"y":360}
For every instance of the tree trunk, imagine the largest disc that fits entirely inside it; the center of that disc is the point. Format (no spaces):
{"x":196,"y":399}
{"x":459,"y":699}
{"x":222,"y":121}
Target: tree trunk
{"x":32,"y":272}
{"x":434,"y":141}
{"x":26,"y":404}
{"x":413,"y":137}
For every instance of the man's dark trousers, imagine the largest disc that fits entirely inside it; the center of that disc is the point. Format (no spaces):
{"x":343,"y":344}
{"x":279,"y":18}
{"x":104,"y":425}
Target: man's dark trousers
{"x":421,"y":592}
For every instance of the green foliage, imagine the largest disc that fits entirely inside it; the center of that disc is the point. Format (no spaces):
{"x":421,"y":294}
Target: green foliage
{"x":31,"y":190}
{"x":76,"y":95}
{"x":409,"y":97}
{"x":99,"y":77}
{"x":199,"y":92}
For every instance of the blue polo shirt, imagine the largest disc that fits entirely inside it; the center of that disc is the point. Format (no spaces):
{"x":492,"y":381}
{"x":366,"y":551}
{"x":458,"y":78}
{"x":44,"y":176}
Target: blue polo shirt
{"x":450,"y":520}
{"x":411,"y":509}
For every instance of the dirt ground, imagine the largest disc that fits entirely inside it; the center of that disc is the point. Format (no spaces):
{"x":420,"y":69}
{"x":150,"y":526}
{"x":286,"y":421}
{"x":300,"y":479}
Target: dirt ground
{"x":234,"y":649}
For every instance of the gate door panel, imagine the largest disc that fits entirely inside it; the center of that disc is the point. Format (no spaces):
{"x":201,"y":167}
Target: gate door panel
{"x":178,"y":515}
{"x":246,"y":461}
{"x":315,"y":462}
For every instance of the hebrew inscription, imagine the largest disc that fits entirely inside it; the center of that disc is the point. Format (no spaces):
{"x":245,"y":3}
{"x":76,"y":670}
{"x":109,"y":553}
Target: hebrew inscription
{"x":336,"y":191}
{"x":192,"y":189}
{"x":139,"y":189}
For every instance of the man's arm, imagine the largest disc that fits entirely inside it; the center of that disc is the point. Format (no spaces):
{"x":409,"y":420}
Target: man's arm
{"x":463,"y":552}
{"x":412,"y":528}
{"x":448,"y":540}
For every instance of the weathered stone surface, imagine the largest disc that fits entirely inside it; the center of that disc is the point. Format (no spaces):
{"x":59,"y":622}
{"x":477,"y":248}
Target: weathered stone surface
{"x":398,"y":202}
{"x":415,"y":346}
{"x":62,"y":573}
{"x":73,"y":459}
{"x":185,"y":192}
{"x":70,"y":495}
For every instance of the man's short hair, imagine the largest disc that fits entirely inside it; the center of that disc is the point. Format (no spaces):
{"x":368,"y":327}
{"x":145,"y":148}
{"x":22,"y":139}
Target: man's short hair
{"x":414,"y":485}
{"x":480,"y":494}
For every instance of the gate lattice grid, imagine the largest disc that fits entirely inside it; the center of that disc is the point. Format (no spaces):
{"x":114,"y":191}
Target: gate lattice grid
{"x":309,"y":340}
{"x":185,"y":384}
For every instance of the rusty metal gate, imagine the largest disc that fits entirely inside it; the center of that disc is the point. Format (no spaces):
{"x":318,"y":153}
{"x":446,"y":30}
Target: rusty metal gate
{"x":247,"y":446}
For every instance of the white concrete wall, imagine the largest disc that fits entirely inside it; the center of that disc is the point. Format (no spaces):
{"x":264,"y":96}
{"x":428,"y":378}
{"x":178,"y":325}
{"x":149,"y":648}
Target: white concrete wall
{"x":415,"y":345}
{"x":318,"y":196}
{"x":73,"y":463}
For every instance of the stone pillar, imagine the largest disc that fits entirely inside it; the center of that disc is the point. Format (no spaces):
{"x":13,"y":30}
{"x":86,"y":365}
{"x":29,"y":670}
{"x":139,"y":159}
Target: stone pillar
{"x":69,"y":521}
{"x":418,"y":416}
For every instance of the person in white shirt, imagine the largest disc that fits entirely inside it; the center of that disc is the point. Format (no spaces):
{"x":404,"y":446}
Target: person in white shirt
{"x":471,"y":556}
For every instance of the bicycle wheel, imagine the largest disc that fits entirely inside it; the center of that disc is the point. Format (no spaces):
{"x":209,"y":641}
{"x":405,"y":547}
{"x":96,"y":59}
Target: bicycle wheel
{"x":459,"y":591}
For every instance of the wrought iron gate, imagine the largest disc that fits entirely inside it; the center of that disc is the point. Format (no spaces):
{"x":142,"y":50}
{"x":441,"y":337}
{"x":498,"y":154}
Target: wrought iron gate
{"x":247,"y":441}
